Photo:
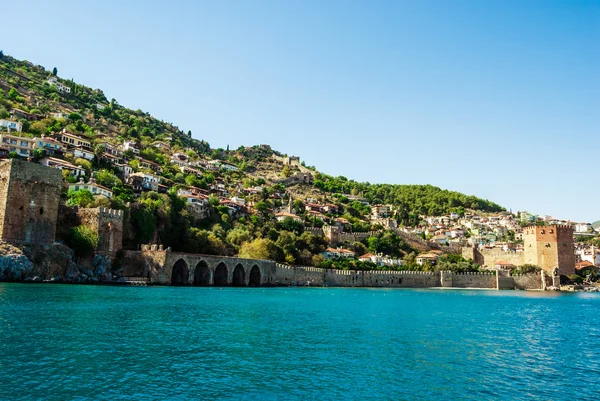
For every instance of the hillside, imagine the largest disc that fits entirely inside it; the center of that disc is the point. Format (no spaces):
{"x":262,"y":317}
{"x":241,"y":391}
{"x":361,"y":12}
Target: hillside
{"x":182,"y":193}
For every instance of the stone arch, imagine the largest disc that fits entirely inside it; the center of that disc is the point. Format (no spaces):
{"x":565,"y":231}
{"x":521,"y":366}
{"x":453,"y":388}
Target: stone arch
{"x":201,"y":274}
{"x":255,"y":277}
{"x":220,"y":276}
{"x":180,"y":273}
{"x":239,"y":276}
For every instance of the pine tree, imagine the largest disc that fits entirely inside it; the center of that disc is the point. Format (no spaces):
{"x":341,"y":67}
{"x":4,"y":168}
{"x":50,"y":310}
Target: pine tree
{"x":55,"y":71}
{"x":190,"y":133}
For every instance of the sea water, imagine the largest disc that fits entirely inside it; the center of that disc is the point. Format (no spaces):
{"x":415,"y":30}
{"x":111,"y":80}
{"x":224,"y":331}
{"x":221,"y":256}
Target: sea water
{"x":69,"y":342}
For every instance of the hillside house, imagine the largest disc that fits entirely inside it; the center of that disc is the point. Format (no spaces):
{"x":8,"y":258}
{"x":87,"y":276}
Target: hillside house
{"x":132,"y":146}
{"x":52,"y":146}
{"x":8,"y":125}
{"x":338,"y":253}
{"x":20,"y":145}
{"x":427,"y":259}
{"x":163,"y":146}
{"x":59,"y":164}
{"x":17,"y":114}
{"x":72,"y":141}
{"x":82,"y":152}
{"x":91,"y":186}
{"x":143,"y":181}
{"x":149,"y":165}
{"x":53,"y":81}
{"x":281,"y":216}
{"x":180,"y":159}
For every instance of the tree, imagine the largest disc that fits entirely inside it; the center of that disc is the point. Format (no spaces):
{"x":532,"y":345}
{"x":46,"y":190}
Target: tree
{"x":107,"y":178}
{"x":262,"y":207}
{"x":13,"y":155}
{"x":1,"y":54}
{"x":190,"y":133}
{"x":55,"y":71}
{"x":260,"y":248}
{"x":13,"y":94}
{"x":82,"y":197}
{"x":83,"y":240}
{"x":291,"y":225}
{"x":38,"y":153}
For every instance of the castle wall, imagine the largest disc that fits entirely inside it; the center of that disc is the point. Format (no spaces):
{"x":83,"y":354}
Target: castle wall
{"x":474,"y":280}
{"x":29,"y":198}
{"x":489,"y":257}
{"x":108,"y":223}
{"x":527,"y":282}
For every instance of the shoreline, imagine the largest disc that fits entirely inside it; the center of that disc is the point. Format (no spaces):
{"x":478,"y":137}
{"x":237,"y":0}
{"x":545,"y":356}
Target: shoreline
{"x":135,"y":284}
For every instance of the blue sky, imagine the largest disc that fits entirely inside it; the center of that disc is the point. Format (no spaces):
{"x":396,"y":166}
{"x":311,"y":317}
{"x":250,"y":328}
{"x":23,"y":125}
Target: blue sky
{"x":500,"y":99}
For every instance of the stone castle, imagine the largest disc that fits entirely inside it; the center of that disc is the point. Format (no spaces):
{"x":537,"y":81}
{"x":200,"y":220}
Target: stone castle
{"x":29,"y":198}
{"x":29,"y":203}
{"x":549,"y":247}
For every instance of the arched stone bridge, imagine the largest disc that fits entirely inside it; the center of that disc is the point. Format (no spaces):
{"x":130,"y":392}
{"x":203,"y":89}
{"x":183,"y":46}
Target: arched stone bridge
{"x":175,"y":268}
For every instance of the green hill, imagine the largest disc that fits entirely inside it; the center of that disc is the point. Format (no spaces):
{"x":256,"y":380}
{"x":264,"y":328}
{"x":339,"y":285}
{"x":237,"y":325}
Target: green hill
{"x":47,"y":105}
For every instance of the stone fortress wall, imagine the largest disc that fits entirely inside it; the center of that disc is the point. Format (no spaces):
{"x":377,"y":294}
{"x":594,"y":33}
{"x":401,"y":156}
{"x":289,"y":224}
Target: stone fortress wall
{"x":108,"y":223}
{"x":29,"y":199}
{"x":158,"y":266}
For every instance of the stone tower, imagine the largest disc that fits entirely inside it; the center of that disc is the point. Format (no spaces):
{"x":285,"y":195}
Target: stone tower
{"x":550,"y":247}
{"x":29,"y":197}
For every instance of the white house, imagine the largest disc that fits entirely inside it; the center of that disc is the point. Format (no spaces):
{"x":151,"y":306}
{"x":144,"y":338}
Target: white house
{"x":62,"y":165}
{"x":281,"y":216}
{"x":338,"y":253}
{"x":130,"y":145}
{"x":11,"y":125}
{"x":143,"y":181}
{"x":82,"y":153}
{"x":53,"y":81}
{"x":93,"y":187}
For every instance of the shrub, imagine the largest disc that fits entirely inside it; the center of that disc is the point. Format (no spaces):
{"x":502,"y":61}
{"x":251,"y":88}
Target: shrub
{"x":83,"y":240}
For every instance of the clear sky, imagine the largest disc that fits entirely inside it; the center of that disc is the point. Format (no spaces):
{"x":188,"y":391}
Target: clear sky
{"x":500,"y":99}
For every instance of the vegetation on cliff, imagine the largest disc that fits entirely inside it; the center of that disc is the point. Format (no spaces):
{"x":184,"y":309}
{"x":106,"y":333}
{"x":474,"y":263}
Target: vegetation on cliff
{"x":257,"y":176}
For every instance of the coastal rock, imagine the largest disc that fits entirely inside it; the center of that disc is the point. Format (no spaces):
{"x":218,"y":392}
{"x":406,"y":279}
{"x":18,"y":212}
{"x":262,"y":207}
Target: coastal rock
{"x":15,"y":267}
{"x":101,"y":265}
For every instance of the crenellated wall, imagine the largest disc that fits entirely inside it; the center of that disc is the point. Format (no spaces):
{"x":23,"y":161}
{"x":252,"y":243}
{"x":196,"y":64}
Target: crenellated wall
{"x":489,"y":257}
{"x":166,"y":267}
{"x":474,"y":280}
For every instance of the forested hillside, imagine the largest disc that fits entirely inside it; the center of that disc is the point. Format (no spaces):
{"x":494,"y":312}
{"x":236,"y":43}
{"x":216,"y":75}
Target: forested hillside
{"x":236,"y":194}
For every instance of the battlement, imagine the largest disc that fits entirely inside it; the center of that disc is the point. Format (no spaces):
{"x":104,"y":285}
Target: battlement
{"x":474,"y":274}
{"x":537,"y":229}
{"x":110,"y":213}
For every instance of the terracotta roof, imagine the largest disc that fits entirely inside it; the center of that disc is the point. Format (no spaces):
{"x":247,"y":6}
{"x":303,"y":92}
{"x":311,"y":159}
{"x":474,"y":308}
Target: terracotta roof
{"x":583,"y":265}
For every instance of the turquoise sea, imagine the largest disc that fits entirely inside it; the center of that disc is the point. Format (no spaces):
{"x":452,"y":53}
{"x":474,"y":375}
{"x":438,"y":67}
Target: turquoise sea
{"x":68,"y":342}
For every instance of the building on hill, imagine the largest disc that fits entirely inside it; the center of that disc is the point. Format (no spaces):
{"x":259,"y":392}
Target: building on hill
{"x":62,"y":165}
{"x":91,"y":186}
{"x":22,"y":114}
{"x":51,"y":145}
{"x":29,"y":198}
{"x":130,"y":145}
{"x":143,"y":181}
{"x":338,"y":253}
{"x":72,"y":140}
{"x":281,"y":216}
{"x":83,"y":153}
{"x":9,"y":125}
{"x":20,"y":145}
{"x":53,"y":81}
